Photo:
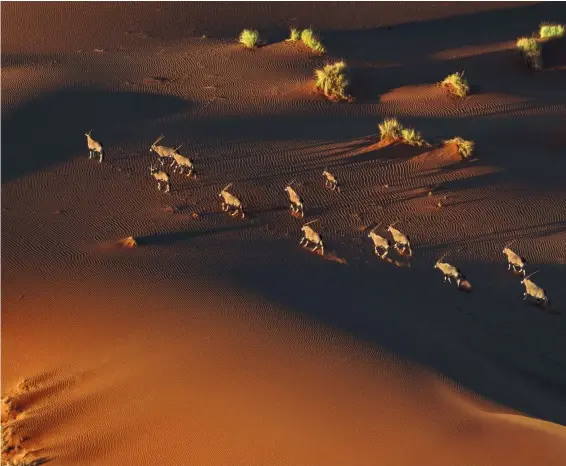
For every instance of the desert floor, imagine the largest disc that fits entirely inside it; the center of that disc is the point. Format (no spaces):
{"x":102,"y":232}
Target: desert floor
{"x":219,"y":340}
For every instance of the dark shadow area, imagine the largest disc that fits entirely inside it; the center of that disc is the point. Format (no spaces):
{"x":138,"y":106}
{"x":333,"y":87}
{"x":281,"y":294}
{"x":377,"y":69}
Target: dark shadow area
{"x":49,"y":130}
{"x":554,"y":54}
{"x":472,"y":29}
{"x":167,"y":239}
{"x":347,"y":297}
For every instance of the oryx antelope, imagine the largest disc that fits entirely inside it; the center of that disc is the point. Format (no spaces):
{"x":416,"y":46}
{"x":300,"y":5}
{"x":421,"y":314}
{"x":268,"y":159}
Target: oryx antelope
{"x":379,"y":243}
{"x":330,"y":181}
{"x":94,"y":147}
{"x":311,"y":236}
{"x":534,"y":291}
{"x":181,"y":162}
{"x":163,"y":152}
{"x":161,"y":177}
{"x":402,"y":242}
{"x":449,"y":271}
{"x":297,"y":206}
{"x":230,"y":201}
{"x":514,"y":260}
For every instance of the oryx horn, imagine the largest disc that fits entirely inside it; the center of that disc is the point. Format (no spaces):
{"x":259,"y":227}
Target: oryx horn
{"x":531,"y":274}
{"x":158,"y":139}
{"x":509,"y":244}
{"x":395,"y":223}
{"x":375,"y":227}
{"x":312,"y":221}
{"x":226,"y":187}
{"x":443,"y":256}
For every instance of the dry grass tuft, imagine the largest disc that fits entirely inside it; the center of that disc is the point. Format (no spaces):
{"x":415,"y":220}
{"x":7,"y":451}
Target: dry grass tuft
{"x":390,"y":129}
{"x":249,"y":37}
{"x":412,"y":137}
{"x":551,"y":31}
{"x":531,"y":51}
{"x":311,"y":40}
{"x":332,"y":80}
{"x":465,"y":147}
{"x":457,"y":84}
{"x":295,"y":35}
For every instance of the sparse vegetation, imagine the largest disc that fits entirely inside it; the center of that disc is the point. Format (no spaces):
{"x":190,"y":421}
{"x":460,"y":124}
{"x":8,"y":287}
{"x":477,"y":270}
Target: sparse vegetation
{"x":390,"y":129}
{"x":295,"y":35}
{"x":531,"y":51}
{"x":412,"y":137}
{"x":332,"y":80}
{"x":465,"y":147}
{"x":457,"y":84}
{"x":550,"y":31}
{"x":249,"y":37}
{"x":311,"y":40}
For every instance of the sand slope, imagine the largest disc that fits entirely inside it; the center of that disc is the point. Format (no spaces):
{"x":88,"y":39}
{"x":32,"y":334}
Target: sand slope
{"x":220,"y":341}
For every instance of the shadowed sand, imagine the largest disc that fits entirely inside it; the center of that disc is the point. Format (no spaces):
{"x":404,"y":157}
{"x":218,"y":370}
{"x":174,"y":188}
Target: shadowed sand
{"x":206,"y":339}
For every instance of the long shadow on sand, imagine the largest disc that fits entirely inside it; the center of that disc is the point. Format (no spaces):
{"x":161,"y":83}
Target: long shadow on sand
{"x":167,"y":239}
{"x":408,"y":321}
{"x":50,"y":130}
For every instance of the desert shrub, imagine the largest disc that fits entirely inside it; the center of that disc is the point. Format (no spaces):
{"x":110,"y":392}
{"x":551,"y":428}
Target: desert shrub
{"x":249,"y":37}
{"x":457,"y":84}
{"x":332,"y":80}
{"x":531,"y":51}
{"x":294,"y":35}
{"x":412,"y":137}
{"x":311,"y":40}
{"x":465,"y":148}
{"x":390,"y":129}
{"x":548,"y":31}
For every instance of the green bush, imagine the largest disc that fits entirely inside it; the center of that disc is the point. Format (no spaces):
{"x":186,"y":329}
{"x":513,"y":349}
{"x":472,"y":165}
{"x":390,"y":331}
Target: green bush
{"x":295,"y":35}
{"x":548,"y":31}
{"x":249,"y":37}
{"x":531,"y":51}
{"x":311,"y":40}
{"x":332,"y":80}
{"x":412,"y":137}
{"x":457,"y":84}
{"x":465,"y":148}
{"x":390,"y":129}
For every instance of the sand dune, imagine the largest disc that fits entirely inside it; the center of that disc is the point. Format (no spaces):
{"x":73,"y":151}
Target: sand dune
{"x":216,"y":340}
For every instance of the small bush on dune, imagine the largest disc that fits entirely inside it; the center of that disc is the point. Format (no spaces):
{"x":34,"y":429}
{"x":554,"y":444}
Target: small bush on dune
{"x":249,"y":37}
{"x":311,"y":40}
{"x":531,"y":51}
{"x":412,"y":137}
{"x":457,"y":84}
{"x":549,"y":31}
{"x":390,"y":129}
{"x":465,"y":148}
{"x":332,"y":80}
{"x":295,"y":35}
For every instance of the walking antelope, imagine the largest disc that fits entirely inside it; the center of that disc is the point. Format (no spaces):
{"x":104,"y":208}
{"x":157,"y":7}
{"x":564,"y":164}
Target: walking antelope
{"x":161,"y":177}
{"x":533,"y":290}
{"x":449,"y":271}
{"x":181,"y":162}
{"x":311,"y":236}
{"x":379,"y":242}
{"x":231,"y":201}
{"x":330,"y":180}
{"x":402,"y":242}
{"x":514,"y":260}
{"x":94,"y":147}
{"x":297,"y":206}
{"x":163,"y":152}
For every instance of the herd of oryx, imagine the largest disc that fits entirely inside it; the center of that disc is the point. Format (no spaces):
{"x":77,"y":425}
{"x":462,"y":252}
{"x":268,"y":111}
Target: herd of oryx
{"x":382,"y":246}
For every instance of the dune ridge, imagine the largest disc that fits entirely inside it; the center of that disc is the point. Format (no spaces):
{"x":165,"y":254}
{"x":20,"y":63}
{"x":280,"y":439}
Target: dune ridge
{"x":217,"y":340}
